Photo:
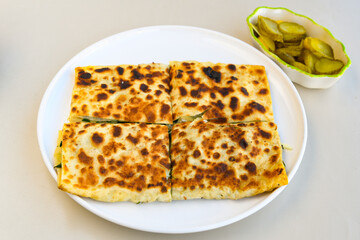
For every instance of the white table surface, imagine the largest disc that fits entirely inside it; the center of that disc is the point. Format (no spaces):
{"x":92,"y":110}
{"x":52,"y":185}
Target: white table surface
{"x":38,"y":37}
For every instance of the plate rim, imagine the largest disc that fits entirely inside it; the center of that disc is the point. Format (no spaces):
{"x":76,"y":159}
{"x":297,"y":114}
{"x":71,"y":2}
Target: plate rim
{"x":91,"y":48}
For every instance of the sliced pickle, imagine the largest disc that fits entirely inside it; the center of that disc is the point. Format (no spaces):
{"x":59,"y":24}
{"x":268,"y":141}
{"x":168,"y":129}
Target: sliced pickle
{"x":318,"y":47}
{"x":294,"y":51}
{"x":309,"y":59}
{"x":268,"y":43}
{"x":285,"y":56}
{"x":301,"y":66}
{"x":292,"y":32}
{"x":328,"y":66}
{"x":256,"y":30}
{"x":291,"y":51}
{"x":269,"y":28}
{"x":286,"y":44}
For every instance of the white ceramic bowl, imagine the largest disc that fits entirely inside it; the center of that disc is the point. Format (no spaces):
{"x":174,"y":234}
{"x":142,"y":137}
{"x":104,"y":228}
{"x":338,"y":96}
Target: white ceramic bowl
{"x":313,"y":30}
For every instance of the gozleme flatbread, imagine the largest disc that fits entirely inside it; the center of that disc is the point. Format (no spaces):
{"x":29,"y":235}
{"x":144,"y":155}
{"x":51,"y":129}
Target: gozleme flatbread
{"x":125,"y":93}
{"x":225,"y":161}
{"x":114,"y":162}
{"x":236,"y":93}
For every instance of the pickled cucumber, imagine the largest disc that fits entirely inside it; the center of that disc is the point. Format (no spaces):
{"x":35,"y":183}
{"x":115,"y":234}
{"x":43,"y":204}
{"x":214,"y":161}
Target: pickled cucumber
{"x":318,"y":47}
{"x":286,"y":44}
{"x":285,"y":57}
{"x":256,"y":31}
{"x":269,"y":28}
{"x":328,"y":66}
{"x":289,"y":42}
{"x":268,"y":42}
{"x":292,"y":32}
{"x":295,"y":52}
{"x":309,"y":59}
{"x":301,"y":66}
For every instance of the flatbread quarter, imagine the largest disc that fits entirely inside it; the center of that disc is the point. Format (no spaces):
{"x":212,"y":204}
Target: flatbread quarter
{"x":225,"y":161}
{"x":237,"y":93}
{"x":122,"y":93}
{"x":114,"y":162}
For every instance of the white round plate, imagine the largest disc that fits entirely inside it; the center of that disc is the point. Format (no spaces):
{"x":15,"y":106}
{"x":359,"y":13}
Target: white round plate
{"x":163,"y":44}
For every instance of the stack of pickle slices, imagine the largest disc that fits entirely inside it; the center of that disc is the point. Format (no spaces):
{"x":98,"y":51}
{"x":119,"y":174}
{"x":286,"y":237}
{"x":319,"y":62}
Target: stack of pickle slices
{"x":288,"y":40}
